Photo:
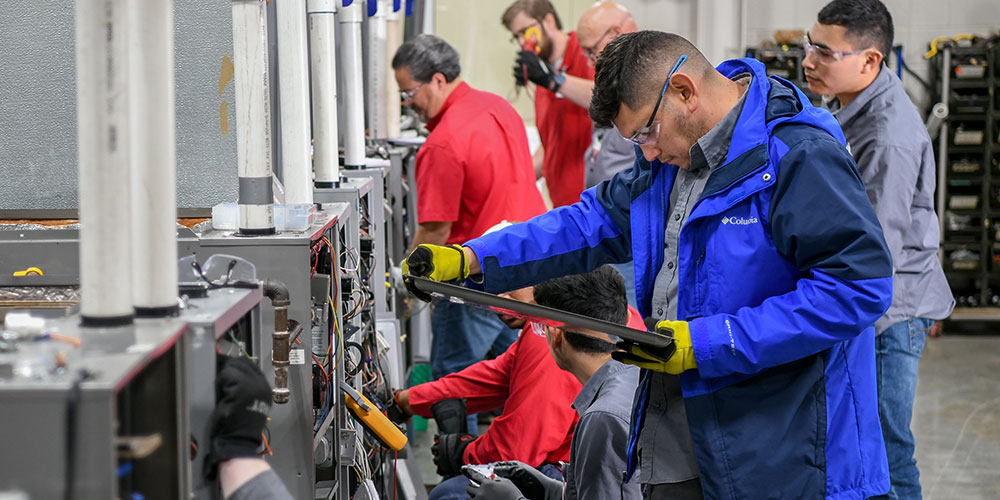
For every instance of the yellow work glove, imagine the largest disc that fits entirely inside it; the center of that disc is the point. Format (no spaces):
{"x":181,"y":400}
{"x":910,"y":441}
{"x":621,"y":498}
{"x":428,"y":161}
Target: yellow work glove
{"x":674,"y":359}
{"x":435,"y":262}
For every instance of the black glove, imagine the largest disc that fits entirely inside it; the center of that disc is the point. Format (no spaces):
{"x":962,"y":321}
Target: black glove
{"x":484,"y":488}
{"x":396,"y":412}
{"x":450,"y":416}
{"x":242,"y":400}
{"x":537,"y":71}
{"x":448,"y":450}
{"x":531,"y":481}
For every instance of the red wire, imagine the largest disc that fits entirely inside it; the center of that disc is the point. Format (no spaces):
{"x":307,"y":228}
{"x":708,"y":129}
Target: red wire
{"x":322,"y":371}
{"x":395,"y":455}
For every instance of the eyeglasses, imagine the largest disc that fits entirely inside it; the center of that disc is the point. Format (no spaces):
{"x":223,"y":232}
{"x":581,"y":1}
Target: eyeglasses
{"x":514,"y":38}
{"x":591,"y":52}
{"x":407,"y":95}
{"x":651,"y":131}
{"x":824,"y":54}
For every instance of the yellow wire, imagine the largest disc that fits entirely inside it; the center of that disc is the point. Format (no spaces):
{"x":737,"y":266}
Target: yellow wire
{"x":336,"y":329}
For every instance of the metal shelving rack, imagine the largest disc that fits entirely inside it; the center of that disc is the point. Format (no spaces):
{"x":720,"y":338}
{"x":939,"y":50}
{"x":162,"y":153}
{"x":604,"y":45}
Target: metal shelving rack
{"x":968,"y":198}
{"x":785,"y":61}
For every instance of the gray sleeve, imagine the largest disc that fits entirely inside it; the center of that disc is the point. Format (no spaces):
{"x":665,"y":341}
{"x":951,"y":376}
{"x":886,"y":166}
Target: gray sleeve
{"x":890,"y":176}
{"x":599,"y":463}
{"x":616,"y":154}
{"x":264,"y":486}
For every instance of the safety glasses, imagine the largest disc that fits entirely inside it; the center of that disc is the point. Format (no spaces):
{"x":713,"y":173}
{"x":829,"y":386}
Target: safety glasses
{"x":824,"y":54}
{"x":591,"y":52}
{"x":517,"y":35}
{"x":407,"y":95}
{"x":651,"y":131}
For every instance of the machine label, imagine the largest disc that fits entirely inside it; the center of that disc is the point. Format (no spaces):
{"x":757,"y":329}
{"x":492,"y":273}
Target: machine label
{"x":297,"y":356}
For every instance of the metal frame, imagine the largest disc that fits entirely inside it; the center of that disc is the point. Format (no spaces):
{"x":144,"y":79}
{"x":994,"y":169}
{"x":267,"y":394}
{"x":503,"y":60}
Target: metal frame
{"x":286,"y":257}
{"x":34,"y":416}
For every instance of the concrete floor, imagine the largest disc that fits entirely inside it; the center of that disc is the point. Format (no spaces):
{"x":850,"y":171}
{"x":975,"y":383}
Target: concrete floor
{"x":956,"y":420}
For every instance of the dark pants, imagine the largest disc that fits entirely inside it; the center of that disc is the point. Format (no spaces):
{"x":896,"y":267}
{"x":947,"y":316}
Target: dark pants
{"x":685,"y":490}
{"x":454,"y":488}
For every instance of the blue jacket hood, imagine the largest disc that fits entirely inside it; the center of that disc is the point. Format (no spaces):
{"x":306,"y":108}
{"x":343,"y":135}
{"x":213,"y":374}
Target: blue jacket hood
{"x":770,"y":102}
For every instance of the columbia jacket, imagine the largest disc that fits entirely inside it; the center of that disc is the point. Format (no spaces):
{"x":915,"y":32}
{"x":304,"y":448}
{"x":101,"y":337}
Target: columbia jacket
{"x":783,"y":270}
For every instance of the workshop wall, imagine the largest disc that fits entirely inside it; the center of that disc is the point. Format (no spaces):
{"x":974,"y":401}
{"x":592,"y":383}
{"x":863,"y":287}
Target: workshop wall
{"x":473,"y":27}
{"x":38,"y":81}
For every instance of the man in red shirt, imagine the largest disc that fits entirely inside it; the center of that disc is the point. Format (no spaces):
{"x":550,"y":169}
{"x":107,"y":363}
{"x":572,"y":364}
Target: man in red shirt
{"x":538,"y":419}
{"x":564,"y":82}
{"x":473,"y":172}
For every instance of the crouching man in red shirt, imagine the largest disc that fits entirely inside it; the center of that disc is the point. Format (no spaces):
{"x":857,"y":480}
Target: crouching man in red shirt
{"x":538,"y":418}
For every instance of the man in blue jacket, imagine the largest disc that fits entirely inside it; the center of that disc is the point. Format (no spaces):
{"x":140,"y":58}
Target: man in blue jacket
{"x":754,"y":243}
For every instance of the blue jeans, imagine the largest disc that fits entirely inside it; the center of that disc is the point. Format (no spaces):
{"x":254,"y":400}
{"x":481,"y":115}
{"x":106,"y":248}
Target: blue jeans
{"x":454,"y":488}
{"x":628,"y":272}
{"x":462,"y":337}
{"x":897,"y":353}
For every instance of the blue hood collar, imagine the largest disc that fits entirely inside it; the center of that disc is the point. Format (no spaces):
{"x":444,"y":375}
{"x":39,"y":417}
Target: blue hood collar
{"x":770,"y":101}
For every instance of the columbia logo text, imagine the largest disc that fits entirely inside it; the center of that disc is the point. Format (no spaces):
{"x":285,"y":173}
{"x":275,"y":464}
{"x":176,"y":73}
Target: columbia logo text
{"x":740,"y":221}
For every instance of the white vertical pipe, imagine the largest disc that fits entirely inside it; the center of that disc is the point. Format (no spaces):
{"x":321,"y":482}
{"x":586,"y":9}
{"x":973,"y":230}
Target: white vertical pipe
{"x":430,"y":8}
{"x":376,"y":67}
{"x":394,"y":38}
{"x":102,"y":142}
{"x":293,"y":92}
{"x":322,"y":35}
{"x":153,"y":157}
{"x":253,"y":120}
{"x":350,"y":18}
{"x":744,"y":37}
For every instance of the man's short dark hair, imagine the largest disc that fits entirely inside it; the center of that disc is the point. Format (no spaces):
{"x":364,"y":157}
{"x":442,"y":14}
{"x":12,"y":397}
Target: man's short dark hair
{"x":426,"y":55}
{"x":632,"y":70}
{"x":535,"y":9}
{"x":599,"y":294}
{"x":868,"y":23}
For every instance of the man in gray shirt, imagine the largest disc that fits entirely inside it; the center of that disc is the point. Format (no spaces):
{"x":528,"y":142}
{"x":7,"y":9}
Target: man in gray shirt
{"x":597,"y":451}
{"x":845,"y":51}
{"x":609,"y":152}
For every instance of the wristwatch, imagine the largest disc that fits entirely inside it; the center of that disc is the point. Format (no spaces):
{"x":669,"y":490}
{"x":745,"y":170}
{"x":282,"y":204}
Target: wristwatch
{"x":557,"y":80}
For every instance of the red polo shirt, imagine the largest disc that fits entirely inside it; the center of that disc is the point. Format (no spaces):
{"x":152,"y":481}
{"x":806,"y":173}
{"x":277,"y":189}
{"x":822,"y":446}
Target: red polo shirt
{"x":565,"y":131}
{"x":537,"y":423}
{"x":475,"y":169}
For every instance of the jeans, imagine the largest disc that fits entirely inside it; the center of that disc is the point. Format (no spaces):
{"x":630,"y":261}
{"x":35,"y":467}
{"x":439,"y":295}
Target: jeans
{"x":897,"y":353}
{"x":628,"y":272}
{"x":454,"y":488}
{"x":462,"y":337}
